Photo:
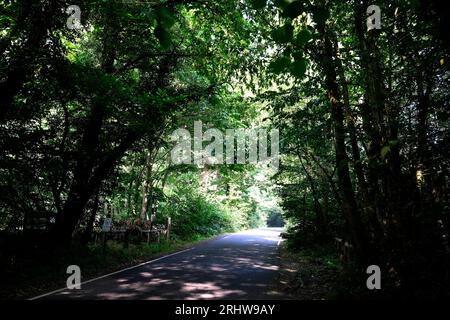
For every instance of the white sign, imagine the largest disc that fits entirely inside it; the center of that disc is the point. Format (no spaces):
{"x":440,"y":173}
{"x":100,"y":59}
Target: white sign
{"x":107,"y":225}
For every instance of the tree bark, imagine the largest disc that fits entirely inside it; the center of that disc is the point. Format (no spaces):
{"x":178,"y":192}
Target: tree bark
{"x":349,"y":204}
{"x":320,"y":214}
{"x":146,"y":185}
{"x":90,"y":225}
{"x":357,"y":161}
{"x":82,"y":186}
{"x":381,"y":124}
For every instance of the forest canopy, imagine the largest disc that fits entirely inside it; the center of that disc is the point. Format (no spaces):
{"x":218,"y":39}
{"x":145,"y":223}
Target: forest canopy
{"x":91,"y":92}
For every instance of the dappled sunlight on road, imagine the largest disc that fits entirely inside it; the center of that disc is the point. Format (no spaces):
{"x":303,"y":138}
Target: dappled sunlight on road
{"x":236,"y":266}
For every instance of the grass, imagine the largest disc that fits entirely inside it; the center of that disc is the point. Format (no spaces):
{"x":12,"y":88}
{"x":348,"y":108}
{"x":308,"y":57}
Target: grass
{"x":41,"y":273}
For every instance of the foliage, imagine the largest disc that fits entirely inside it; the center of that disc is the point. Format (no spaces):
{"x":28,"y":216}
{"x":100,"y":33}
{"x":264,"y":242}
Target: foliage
{"x":193,"y":214}
{"x":362,"y":137}
{"x":86,"y":118}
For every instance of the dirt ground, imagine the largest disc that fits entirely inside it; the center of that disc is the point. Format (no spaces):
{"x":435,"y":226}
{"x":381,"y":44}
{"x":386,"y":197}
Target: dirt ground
{"x":305,"y":277}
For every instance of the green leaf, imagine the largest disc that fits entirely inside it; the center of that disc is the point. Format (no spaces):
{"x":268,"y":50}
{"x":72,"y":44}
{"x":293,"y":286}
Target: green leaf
{"x":298,"y":68}
{"x":258,"y":4}
{"x":297,"y":55}
{"x":320,"y":15}
{"x":163,"y":36}
{"x":6,"y":19}
{"x":393,"y":143}
{"x":282,"y":4}
{"x":288,"y":51}
{"x":303,"y":37}
{"x":166,"y":18}
{"x":283,"y":34}
{"x":280,"y":64}
{"x":293,"y":10}
{"x":384,"y":151}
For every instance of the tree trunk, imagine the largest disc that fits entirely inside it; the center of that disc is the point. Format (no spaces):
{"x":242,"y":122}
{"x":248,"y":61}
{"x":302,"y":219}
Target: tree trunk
{"x":82,"y":188}
{"x":90,"y":226}
{"x":424,"y":87}
{"x":357,"y":162}
{"x":146,"y":185}
{"x":381,"y":124}
{"x":349,"y":204}
{"x":320,"y":216}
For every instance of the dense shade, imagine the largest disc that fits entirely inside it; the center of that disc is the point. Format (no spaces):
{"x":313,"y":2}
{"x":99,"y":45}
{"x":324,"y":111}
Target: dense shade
{"x":86,"y":116}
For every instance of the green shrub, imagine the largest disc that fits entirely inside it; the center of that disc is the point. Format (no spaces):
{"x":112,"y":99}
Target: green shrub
{"x":194,"y":215}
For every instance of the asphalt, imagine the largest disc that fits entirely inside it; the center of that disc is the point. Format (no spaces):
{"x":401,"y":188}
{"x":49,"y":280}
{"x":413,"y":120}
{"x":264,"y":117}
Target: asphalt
{"x":235,"y":266}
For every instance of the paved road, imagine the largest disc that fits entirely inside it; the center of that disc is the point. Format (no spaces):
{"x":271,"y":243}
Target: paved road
{"x":236,"y":266}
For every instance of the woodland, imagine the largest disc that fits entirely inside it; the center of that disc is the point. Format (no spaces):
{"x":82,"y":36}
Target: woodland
{"x":91,"y":92}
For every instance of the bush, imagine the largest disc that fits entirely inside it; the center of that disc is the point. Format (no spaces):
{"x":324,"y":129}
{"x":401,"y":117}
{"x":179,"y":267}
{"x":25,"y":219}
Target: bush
{"x":193,"y":215}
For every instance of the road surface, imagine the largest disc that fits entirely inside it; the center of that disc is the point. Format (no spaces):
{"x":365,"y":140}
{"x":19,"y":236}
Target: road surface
{"x":236,"y":266}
